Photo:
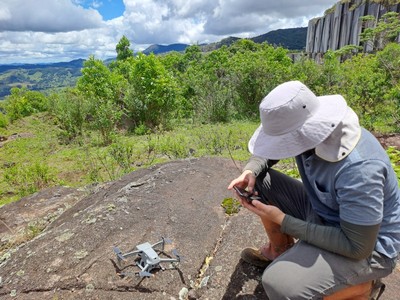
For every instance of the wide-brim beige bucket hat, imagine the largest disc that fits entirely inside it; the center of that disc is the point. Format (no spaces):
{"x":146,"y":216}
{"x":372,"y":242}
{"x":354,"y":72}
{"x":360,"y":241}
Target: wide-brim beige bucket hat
{"x":294,"y":120}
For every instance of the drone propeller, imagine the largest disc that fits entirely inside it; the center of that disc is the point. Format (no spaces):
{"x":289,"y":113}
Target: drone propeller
{"x":167,"y":240}
{"x":118,"y":253}
{"x":176,"y":254}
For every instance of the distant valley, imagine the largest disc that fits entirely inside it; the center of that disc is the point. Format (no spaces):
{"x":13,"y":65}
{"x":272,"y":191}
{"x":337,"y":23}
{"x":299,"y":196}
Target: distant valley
{"x":39,"y":77}
{"x":44,"y":77}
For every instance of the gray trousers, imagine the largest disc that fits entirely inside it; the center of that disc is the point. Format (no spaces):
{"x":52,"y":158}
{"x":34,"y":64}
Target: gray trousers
{"x":305,"y":271}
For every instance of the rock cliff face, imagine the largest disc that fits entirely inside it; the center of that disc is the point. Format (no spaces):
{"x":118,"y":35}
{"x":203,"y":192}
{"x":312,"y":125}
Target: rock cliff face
{"x":342,"y":26}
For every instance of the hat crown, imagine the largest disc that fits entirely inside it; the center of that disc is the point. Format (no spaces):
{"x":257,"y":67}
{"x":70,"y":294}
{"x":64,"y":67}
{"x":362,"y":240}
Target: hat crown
{"x":287,"y":107}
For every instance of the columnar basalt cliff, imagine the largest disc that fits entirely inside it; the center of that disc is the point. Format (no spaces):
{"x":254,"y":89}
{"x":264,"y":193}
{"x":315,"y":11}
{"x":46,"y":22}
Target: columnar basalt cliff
{"x":342,"y":25}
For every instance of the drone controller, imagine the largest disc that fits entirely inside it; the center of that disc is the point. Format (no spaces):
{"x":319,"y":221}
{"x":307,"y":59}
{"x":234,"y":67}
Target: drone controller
{"x":249,"y":197}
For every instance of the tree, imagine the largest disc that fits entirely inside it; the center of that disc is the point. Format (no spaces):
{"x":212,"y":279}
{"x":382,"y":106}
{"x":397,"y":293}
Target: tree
{"x":71,"y":111}
{"x":102,"y":90}
{"x":209,"y":86}
{"x":123,"y":50}
{"x":386,"y":30}
{"x":257,"y":69}
{"x":192,"y":54}
{"x":307,"y":71}
{"x":386,"y":3}
{"x":152,"y":96}
{"x":389,"y":61}
{"x":331,"y":75}
{"x":364,"y":85}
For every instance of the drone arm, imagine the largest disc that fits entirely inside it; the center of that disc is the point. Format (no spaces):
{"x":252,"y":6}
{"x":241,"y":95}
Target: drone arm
{"x":170,"y":260}
{"x":159,"y":243}
{"x":131,"y":253}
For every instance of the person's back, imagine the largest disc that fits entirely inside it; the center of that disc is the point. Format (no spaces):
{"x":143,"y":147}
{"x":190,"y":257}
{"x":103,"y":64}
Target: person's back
{"x":361,"y":189}
{"x":389,"y":234}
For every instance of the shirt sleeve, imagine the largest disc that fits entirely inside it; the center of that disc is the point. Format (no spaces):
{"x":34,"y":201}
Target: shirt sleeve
{"x":350,"y":240}
{"x":258,"y":164}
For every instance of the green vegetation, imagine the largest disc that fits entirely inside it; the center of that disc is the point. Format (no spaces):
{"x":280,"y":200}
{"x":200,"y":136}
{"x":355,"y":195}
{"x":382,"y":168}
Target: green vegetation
{"x":123,"y":50}
{"x":39,"y":77}
{"x":378,"y":34}
{"x":386,"y":3}
{"x":231,"y":206}
{"x":22,"y":103}
{"x":146,"y":109}
{"x":41,"y":160}
{"x":394,"y":155}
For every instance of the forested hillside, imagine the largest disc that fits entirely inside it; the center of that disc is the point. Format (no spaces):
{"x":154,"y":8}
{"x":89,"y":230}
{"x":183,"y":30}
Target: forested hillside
{"x":39,"y":77}
{"x":142,"y":109}
{"x":289,"y":38}
{"x":45,"y":77}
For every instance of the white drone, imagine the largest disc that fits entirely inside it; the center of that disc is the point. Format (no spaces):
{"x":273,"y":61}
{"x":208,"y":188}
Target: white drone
{"x":149,"y":258}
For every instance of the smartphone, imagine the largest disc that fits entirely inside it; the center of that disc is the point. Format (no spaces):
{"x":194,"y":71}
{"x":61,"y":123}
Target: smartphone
{"x":246,"y":195}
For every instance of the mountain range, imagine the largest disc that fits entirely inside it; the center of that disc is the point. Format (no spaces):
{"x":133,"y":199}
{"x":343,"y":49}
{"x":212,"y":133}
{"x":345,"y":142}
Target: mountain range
{"x":290,"y":38}
{"x":63,"y":74}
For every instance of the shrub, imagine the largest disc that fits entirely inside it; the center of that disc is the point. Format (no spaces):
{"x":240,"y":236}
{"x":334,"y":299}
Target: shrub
{"x":71,"y":112}
{"x":29,"y":179}
{"x":153,"y":94}
{"x":3,"y":120}
{"x":22,"y":103}
{"x":102,"y":89}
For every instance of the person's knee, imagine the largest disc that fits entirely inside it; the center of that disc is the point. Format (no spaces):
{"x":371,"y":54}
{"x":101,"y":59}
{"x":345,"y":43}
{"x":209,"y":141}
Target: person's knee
{"x":274,"y":285}
{"x":279,"y":283}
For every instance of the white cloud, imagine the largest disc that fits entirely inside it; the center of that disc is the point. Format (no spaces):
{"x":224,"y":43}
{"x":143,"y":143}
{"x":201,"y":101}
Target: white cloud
{"x":96,"y":4}
{"x":46,"y":16}
{"x":49,"y":30}
{"x":5,"y":14}
{"x":168,"y":21}
{"x":254,"y":16}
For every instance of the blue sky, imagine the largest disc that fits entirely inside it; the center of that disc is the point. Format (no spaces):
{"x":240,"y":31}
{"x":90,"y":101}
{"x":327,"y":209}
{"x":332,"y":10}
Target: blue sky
{"x":40,"y":31}
{"x":109,"y":9}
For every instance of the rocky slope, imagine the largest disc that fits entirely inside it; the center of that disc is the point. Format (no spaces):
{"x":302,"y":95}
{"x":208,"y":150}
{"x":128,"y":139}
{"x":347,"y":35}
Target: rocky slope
{"x":73,"y":257}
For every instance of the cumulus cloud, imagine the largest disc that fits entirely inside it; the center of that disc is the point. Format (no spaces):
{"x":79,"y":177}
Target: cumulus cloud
{"x":45,"y":47}
{"x":254,"y":16}
{"x":166,"y":21}
{"x":151,"y":22}
{"x":46,"y":16}
{"x":49,"y":30}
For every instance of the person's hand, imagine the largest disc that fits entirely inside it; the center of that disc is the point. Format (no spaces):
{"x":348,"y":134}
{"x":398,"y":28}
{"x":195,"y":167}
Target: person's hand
{"x":265,"y":211}
{"x":269,"y":212}
{"x":245,"y":180}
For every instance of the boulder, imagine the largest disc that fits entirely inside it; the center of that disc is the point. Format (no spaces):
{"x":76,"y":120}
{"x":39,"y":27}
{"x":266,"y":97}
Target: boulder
{"x":73,"y":257}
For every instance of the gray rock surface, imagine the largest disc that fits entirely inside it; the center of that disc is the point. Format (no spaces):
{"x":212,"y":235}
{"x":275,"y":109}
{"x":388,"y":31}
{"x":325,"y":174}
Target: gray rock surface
{"x":342,"y":26}
{"x":73,"y":257}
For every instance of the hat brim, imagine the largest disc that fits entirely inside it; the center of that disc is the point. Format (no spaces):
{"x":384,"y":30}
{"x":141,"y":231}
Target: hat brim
{"x":342,"y":140}
{"x":315,"y":130}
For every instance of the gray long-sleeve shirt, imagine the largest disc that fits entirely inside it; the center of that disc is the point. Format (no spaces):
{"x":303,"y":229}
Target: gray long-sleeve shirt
{"x":358,"y":198}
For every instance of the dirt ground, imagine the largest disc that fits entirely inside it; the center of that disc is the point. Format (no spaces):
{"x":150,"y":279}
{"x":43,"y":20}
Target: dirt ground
{"x":388,"y":140}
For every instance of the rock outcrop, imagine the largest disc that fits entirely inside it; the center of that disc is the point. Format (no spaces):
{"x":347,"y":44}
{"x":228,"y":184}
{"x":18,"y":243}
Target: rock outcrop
{"x":342,"y":26}
{"x":73,"y":257}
